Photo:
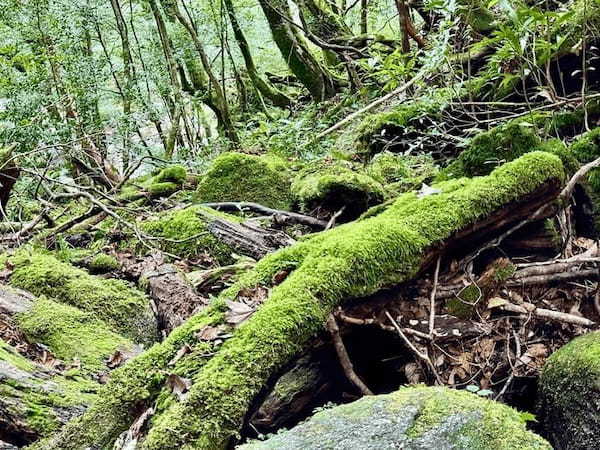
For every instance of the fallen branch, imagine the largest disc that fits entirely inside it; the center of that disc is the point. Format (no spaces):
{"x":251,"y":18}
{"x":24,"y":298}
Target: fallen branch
{"x":340,"y":349}
{"x":255,"y":207}
{"x":549,"y":314}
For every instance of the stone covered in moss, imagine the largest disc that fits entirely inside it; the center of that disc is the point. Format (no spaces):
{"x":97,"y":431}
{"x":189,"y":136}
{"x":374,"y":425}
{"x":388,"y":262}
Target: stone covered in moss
{"x":331,"y":186}
{"x":189,"y":227}
{"x":350,"y":261}
{"x":240,"y":177}
{"x":569,"y":394}
{"x":72,"y":334}
{"x":125,"y":309}
{"x":586,"y":149}
{"x":412,"y":417}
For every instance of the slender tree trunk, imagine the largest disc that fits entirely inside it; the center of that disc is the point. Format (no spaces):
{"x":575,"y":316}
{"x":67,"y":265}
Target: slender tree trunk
{"x":218,"y":95}
{"x":262,"y":84}
{"x":302,"y":63}
{"x":167,"y":46}
{"x":364,"y":16}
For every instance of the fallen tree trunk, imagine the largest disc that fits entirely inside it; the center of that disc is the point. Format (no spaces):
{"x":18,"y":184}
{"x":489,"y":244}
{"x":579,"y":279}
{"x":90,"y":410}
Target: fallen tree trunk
{"x":174,"y":298}
{"x":319,"y":274}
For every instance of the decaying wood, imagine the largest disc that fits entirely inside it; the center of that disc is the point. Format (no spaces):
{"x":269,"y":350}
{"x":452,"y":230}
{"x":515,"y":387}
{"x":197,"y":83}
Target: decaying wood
{"x":247,"y":239}
{"x":174,"y":298}
{"x":543,"y":313}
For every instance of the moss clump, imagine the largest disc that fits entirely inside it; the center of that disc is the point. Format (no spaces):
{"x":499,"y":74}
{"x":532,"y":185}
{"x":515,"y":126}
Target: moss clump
{"x":330,"y":187}
{"x":103,"y":263}
{"x":241,"y":177}
{"x":401,"y":173}
{"x":349,"y":261}
{"x":489,"y":149}
{"x":175,"y":174}
{"x":569,"y":394}
{"x":189,"y":226}
{"x":412,"y":417}
{"x":156,"y":190}
{"x":71,"y":333}
{"x":125,"y":309}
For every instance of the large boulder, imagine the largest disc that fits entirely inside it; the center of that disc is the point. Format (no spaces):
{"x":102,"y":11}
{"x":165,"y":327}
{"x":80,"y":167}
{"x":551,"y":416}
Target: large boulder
{"x":569,"y":394}
{"x":411,"y":418}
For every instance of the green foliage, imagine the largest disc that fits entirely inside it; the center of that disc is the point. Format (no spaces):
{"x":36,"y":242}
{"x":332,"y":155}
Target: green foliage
{"x":125,"y":309}
{"x":241,"y":177}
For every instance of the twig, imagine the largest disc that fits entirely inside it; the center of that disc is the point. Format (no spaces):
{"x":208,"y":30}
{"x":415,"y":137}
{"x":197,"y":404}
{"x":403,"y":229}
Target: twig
{"x":432,"y":297}
{"x":414,"y":349}
{"x":549,"y":314}
{"x":340,"y":349}
{"x":241,"y":206}
{"x":370,"y":106}
{"x":331,"y":222}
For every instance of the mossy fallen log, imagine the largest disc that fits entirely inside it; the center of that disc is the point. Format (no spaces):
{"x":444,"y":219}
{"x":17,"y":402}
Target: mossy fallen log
{"x":123,"y":308}
{"x":353,"y":260}
{"x":34,"y":401}
{"x":412,"y":417}
{"x":569,"y":398}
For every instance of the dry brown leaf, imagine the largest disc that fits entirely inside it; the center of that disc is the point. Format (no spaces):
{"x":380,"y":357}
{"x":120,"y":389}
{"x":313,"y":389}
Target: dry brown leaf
{"x":412,"y":373}
{"x":178,"y":385}
{"x":116,"y":359}
{"x":495,"y":302}
{"x":238,"y":312}
{"x":180,"y":354}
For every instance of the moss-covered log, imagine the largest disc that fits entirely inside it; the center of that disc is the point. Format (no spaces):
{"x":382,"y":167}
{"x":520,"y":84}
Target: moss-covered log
{"x":350,"y":261}
{"x":34,"y":401}
{"x":569,"y":398}
{"x":123,"y":308}
{"x":412,"y":417}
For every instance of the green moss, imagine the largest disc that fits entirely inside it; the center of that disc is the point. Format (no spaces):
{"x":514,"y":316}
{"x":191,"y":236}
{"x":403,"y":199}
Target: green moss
{"x":353,"y":260}
{"x":162,"y":189}
{"x":103,"y":263}
{"x":38,"y":399}
{"x":175,"y":174}
{"x":189,"y":225}
{"x":412,"y":417}
{"x":587,"y":147}
{"x":125,"y":309}
{"x":241,"y":177}
{"x":489,"y":149}
{"x":332,"y":186}
{"x":569,"y":394}
{"x":71,"y":333}
{"x":350,"y":261}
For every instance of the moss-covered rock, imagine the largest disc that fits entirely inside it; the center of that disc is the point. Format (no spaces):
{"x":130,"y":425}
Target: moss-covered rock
{"x":350,"y":261}
{"x":125,"y":309}
{"x":569,"y":394}
{"x":412,"y":417}
{"x":72,"y":334}
{"x":240,"y":177}
{"x":189,"y":227}
{"x":328,"y":187}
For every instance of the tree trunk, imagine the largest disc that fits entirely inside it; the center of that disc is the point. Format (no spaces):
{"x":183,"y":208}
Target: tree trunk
{"x":294,"y":49}
{"x":263,"y":85}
